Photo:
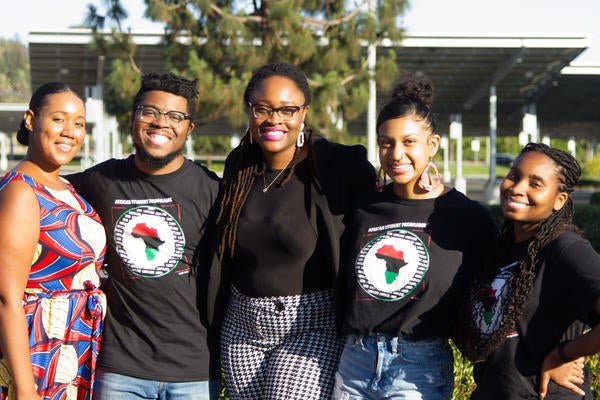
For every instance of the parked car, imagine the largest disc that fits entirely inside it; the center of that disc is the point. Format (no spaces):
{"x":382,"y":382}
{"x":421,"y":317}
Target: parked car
{"x":504,"y":159}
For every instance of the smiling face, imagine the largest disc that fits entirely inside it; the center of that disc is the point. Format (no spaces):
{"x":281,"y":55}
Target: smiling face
{"x":530,"y":192}
{"x":276,"y":136}
{"x":57,"y":130}
{"x":405,"y":148}
{"x":158,"y":144}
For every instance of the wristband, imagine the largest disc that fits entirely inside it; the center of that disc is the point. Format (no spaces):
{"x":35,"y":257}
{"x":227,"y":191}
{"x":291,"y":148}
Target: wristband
{"x":561,"y":353}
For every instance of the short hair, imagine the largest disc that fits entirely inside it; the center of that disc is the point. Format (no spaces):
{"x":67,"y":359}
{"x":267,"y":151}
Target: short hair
{"x":38,"y":100}
{"x":289,"y":71}
{"x":171,"y":83}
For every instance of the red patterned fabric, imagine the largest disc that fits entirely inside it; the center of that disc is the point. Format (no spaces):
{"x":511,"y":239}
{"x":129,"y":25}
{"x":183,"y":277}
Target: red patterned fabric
{"x":63,"y":306}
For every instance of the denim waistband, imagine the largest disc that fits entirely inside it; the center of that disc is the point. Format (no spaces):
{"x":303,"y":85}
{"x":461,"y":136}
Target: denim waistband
{"x":396,"y":342}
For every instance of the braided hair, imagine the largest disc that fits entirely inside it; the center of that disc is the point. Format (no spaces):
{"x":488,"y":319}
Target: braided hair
{"x":471,"y":341}
{"x":245,"y":163}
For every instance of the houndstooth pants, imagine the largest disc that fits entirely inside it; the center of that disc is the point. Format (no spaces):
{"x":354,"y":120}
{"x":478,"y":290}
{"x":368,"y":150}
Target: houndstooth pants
{"x":280,"y":348}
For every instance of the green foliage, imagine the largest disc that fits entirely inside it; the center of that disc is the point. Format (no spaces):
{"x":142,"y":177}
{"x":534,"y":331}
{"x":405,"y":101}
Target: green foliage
{"x":212,"y":145}
{"x":463,"y":376}
{"x":15,"y":85}
{"x":228,"y":40}
{"x":591,"y":168}
{"x":123,"y":85}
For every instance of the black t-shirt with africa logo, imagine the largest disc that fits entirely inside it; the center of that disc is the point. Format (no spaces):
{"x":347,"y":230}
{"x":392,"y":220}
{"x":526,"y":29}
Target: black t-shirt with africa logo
{"x":155,"y":226}
{"x":411,"y":261}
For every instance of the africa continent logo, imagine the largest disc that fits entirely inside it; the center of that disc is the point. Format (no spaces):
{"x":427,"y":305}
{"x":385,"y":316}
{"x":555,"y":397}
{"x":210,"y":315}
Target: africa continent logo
{"x":149,"y":240}
{"x":390,"y":266}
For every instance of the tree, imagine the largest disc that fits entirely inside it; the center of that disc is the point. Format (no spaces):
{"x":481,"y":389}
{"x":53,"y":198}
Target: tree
{"x":227,"y":40}
{"x":15,"y":77}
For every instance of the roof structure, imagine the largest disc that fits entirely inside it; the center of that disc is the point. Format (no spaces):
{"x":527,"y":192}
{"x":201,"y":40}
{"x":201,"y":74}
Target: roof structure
{"x":526,"y":70}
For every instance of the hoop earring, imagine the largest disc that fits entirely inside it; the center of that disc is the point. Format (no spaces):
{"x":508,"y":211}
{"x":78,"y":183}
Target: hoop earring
{"x":381,"y":179}
{"x":300,"y":139}
{"x":426,"y":182}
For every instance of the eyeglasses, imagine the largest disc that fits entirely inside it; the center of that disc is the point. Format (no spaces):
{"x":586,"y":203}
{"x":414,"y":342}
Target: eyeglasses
{"x":264,"y":112}
{"x":150,"y":114}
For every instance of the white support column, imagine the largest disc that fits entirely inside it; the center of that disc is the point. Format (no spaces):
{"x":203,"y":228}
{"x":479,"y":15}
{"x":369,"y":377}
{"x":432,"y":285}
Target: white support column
{"x":372,"y":105}
{"x":546,"y":140}
{"x":491,"y":192}
{"x":460,"y":183}
{"x":572,"y":146}
{"x":446,"y":175}
{"x":3,"y":152}
{"x":189,"y":148}
{"x":95,"y":114}
{"x":530,"y":124}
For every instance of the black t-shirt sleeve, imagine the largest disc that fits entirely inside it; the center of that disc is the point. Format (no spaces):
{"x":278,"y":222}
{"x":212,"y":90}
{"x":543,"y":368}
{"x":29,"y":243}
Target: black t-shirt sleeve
{"x":79,"y":181}
{"x":579,"y":266}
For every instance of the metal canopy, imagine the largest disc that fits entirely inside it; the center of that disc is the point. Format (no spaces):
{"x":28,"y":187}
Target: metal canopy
{"x":524,"y":68}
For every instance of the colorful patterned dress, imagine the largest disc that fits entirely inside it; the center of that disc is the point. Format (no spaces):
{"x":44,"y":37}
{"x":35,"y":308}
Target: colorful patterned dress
{"x":63,"y":306}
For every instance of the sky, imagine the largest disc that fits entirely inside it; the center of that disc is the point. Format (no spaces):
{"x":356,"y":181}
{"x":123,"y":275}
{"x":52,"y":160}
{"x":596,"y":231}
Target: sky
{"x":422,"y":16}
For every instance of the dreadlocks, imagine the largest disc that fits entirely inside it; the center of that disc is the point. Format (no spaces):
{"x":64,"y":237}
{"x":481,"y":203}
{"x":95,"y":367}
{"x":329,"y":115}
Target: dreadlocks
{"x":245,"y":163}
{"x":472,"y":342}
{"x":169,"y":83}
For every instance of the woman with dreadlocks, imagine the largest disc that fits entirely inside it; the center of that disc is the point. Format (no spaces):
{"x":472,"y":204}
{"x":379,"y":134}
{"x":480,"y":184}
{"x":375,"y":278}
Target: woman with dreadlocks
{"x":284,"y":194}
{"x":413,"y":245}
{"x":529,"y":307}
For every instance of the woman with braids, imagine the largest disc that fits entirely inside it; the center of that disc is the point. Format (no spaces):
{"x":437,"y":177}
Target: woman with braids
{"x":529,"y":307}
{"x":414,"y":244}
{"x":282,"y":202}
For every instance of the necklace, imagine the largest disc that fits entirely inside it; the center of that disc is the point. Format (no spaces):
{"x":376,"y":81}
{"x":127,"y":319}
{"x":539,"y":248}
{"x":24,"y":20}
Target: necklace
{"x":266,"y":187}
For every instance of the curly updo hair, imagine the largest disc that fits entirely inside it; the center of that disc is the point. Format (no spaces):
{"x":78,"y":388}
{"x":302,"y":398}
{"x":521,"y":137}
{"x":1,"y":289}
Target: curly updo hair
{"x":412,"y":96}
{"x":38,"y":100}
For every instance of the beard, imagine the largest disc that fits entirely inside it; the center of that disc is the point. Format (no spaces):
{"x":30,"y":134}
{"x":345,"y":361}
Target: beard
{"x":155,"y":163}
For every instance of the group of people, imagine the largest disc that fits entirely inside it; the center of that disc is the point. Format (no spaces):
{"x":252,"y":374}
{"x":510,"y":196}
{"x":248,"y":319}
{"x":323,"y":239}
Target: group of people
{"x":300,"y":274}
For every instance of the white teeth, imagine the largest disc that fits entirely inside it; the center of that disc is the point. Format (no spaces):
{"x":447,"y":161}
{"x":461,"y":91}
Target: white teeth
{"x":400,"y":167}
{"x":159,"y":139}
{"x":64,"y":146}
{"x":515,"y":204}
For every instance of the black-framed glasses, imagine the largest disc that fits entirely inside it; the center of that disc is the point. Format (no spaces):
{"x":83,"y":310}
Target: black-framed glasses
{"x":286,"y":113}
{"x":149,"y":114}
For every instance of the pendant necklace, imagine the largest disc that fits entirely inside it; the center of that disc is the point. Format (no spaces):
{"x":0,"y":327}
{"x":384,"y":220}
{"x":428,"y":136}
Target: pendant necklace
{"x":266,"y":187}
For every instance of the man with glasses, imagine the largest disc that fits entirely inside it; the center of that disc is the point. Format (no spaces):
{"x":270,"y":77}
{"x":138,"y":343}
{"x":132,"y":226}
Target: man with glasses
{"x":155,"y":205}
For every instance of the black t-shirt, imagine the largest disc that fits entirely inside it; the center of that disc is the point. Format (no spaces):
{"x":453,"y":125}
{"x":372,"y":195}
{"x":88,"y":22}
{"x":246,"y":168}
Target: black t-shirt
{"x":277,"y":251}
{"x":155,"y":224}
{"x":411,"y":262}
{"x":560,"y":305}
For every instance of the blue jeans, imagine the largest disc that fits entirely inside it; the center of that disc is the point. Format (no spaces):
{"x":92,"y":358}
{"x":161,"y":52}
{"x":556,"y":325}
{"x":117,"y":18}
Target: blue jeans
{"x":384,"y":367}
{"x":109,"y":386}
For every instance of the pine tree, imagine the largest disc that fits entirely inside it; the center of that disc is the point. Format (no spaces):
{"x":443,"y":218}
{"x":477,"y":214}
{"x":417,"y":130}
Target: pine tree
{"x":15,"y":78}
{"x":225,"y":41}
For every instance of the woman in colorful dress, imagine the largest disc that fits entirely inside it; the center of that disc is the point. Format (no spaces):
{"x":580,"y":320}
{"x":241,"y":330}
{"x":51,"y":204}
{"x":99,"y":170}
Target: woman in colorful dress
{"x":52,"y":248}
